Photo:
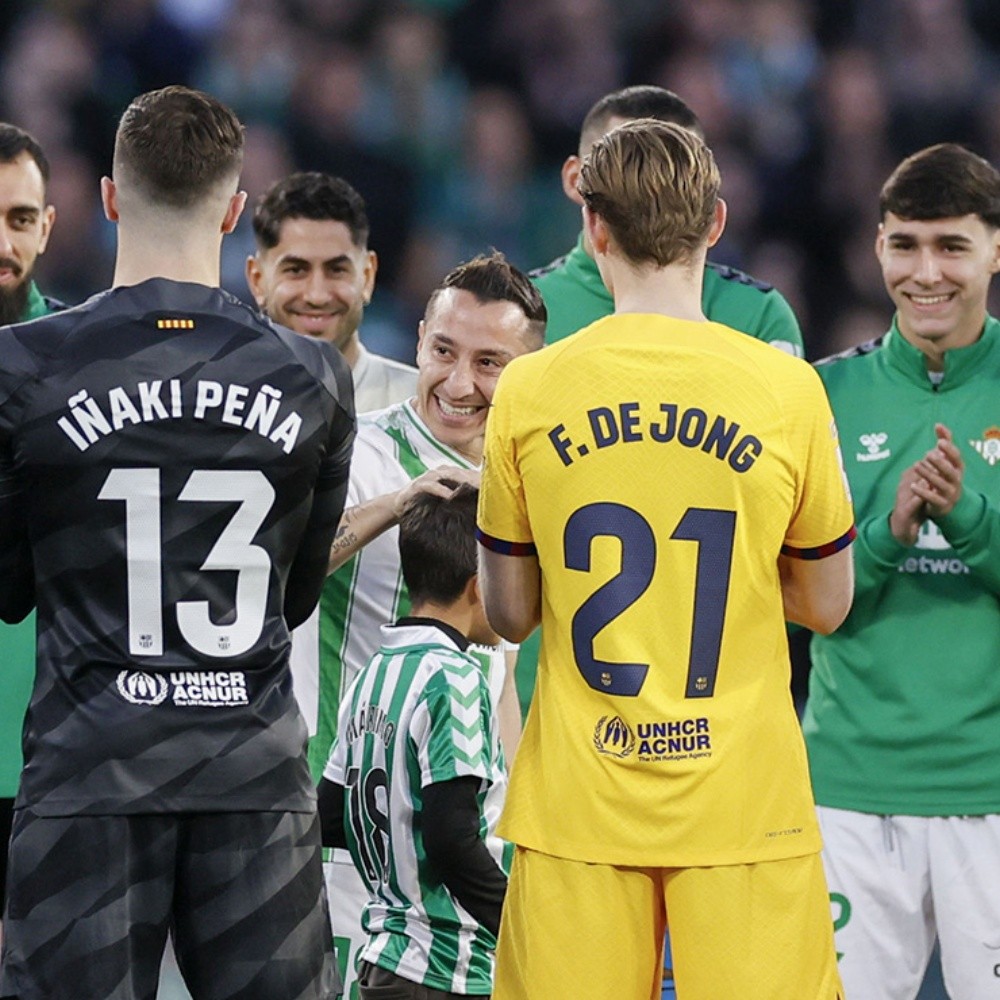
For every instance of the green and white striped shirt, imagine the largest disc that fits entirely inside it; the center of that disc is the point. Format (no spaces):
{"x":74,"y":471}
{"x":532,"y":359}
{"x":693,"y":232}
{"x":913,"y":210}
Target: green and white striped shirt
{"x":418,"y":714}
{"x":393,"y":447}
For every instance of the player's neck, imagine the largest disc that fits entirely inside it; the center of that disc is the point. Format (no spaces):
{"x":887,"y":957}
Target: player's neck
{"x":142,"y":257}
{"x":674,"y":291}
{"x":351,"y":349}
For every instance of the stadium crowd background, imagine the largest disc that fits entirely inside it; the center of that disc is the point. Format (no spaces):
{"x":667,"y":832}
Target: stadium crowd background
{"x":452,"y":118}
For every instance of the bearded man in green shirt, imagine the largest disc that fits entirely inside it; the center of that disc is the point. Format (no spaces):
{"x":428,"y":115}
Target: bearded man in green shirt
{"x":25,"y":224}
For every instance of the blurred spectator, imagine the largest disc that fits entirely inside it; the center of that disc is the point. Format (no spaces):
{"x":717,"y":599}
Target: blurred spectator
{"x":140,"y":48}
{"x":81,"y":261}
{"x":494,"y":195}
{"x":567,"y":56}
{"x":49,"y":69}
{"x":327,"y":103}
{"x":933,"y":98}
{"x":251,"y":62}
{"x":413,"y":96}
{"x":266,"y":158}
{"x":807,"y":102}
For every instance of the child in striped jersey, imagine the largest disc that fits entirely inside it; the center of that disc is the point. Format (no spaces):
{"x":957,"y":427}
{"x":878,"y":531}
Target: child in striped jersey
{"x":415,"y":780}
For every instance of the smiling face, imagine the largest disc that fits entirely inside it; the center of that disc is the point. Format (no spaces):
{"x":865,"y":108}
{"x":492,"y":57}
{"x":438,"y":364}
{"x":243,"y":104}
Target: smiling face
{"x":938,"y":272}
{"x":464,"y":345}
{"x":25,"y":222}
{"x":316,"y":281}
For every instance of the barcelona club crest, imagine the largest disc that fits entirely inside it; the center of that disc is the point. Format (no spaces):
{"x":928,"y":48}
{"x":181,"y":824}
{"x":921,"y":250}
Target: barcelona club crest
{"x":613,"y":736}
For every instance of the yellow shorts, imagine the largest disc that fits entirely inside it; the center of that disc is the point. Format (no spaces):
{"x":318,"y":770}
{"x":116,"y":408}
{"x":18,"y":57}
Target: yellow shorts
{"x":577,"y":931}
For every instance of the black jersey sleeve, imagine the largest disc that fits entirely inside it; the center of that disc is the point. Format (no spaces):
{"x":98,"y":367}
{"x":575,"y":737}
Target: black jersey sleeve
{"x":458,"y":853}
{"x":309,"y":570}
{"x":330,"y":800}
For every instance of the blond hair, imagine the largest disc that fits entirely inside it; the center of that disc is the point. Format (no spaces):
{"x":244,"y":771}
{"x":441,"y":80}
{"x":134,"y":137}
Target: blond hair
{"x":655,"y":184}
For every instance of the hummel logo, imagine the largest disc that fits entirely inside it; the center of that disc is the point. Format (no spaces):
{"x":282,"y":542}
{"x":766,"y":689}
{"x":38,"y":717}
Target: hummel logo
{"x":873,"y":443}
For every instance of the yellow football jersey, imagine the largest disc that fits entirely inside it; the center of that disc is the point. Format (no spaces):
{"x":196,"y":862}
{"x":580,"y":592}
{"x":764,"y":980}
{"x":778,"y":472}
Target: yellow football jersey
{"x":658,"y":467}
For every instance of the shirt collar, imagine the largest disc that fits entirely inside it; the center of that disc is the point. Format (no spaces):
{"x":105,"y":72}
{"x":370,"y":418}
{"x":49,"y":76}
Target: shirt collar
{"x":449,"y":630}
{"x":960,"y":363}
{"x":36,"y":305}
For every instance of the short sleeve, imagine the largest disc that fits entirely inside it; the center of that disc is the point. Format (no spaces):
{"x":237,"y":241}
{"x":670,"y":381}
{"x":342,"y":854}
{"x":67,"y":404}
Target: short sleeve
{"x":336,"y":764}
{"x":452,"y":727}
{"x":823,"y":521}
{"x":503,"y":524}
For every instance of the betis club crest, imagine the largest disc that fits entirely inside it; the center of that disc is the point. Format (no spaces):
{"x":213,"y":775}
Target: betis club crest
{"x":989,"y":445}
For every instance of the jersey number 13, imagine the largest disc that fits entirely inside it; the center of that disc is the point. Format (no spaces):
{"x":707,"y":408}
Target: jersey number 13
{"x":234,"y":550}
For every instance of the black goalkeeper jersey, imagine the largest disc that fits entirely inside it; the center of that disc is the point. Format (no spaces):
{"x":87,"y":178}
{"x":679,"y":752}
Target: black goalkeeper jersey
{"x":172,"y":471}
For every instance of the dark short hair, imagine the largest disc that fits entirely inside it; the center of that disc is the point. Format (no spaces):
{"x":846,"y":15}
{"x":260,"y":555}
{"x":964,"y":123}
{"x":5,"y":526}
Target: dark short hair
{"x":492,"y":278}
{"x":177,"y":145}
{"x":309,"y":195}
{"x":641,"y":101}
{"x":437,"y":544}
{"x":945,"y":181}
{"x":14,"y":141}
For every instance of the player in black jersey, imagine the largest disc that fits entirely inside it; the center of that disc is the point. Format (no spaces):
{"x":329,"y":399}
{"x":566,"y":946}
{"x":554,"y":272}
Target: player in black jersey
{"x":172,"y":471}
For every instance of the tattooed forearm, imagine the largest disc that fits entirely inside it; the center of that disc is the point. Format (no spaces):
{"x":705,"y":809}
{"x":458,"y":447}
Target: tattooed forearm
{"x":345,"y":541}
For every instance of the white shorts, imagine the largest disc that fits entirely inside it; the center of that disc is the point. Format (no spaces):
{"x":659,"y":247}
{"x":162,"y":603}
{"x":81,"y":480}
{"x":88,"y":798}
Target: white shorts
{"x":896,"y":883}
{"x":348,"y":896}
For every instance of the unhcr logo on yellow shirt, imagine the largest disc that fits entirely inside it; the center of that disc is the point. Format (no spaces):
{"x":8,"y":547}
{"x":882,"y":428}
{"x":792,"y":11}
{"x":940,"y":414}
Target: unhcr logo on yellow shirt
{"x":613,"y":736}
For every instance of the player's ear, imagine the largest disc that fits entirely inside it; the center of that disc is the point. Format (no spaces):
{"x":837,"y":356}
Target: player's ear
{"x":371,"y":269}
{"x":233,"y":212}
{"x":880,"y":240}
{"x":718,"y":222}
{"x":571,"y":177}
{"x":48,"y":217}
{"x":995,"y":261}
{"x":255,"y":279}
{"x":109,"y":199}
{"x":473,"y":596}
{"x":596,"y":231}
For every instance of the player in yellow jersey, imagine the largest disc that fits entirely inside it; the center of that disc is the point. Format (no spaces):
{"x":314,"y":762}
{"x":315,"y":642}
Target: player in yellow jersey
{"x":662,"y":492}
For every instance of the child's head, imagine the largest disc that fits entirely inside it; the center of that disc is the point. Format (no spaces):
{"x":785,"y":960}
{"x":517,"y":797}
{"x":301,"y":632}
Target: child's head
{"x":437,"y":547}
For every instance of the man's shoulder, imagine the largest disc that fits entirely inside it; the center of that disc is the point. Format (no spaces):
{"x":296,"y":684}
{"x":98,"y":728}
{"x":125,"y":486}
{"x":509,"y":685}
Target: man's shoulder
{"x":547,"y":273}
{"x":836,"y":369}
{"x":54,"y":305}
{"x":731,"y":280}
{"x":380,"y":381}
{"x":322,"y":360}
{"x":380,"y":425}
{"x":27,"y":346}
{"x":447,"y":673}
{"x":376,"y":447}
{"x":751,"y":306}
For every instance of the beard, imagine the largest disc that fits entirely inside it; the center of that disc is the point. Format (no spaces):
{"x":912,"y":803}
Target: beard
{"x":13,"y":301}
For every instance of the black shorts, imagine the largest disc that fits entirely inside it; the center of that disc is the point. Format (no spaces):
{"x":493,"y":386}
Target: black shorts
{"x":92,"y":898}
